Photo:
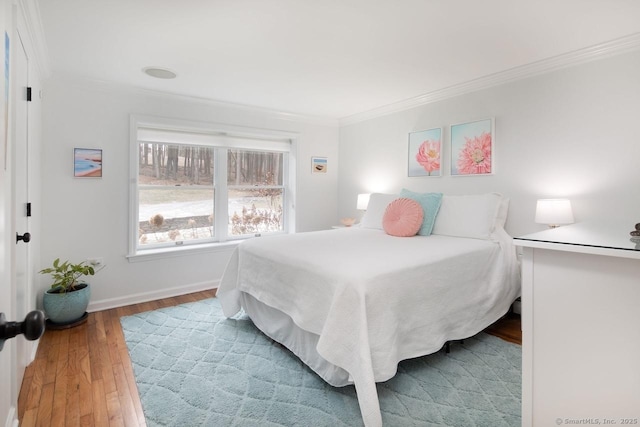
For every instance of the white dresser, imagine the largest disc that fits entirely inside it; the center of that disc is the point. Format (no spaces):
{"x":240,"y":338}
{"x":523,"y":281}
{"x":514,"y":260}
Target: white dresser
{"x":581,"y":326}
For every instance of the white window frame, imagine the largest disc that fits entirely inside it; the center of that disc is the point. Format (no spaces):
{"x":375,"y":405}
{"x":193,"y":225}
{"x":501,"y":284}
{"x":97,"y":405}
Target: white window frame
{"x":224,"y":137}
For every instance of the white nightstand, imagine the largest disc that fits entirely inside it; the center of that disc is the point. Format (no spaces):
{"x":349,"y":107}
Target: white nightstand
{"x":580,"y":317}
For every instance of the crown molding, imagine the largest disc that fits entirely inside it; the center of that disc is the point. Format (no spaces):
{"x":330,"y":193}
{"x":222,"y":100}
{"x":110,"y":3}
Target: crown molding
{"x":577,"y":57}
{"x":31,"y":15}
{"x":110,"y":86}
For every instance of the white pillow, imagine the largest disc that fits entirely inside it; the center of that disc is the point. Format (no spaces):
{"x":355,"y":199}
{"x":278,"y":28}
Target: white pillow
{"x":378,"y":203}
{"x":503,"y":210}
{"x":472,"y":216}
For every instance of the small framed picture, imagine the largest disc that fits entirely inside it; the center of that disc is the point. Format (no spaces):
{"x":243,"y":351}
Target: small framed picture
{"x":472,"y":148}
{"x":87,"y":163}
{"x":318,"y":165}
{"x":425,"y":150}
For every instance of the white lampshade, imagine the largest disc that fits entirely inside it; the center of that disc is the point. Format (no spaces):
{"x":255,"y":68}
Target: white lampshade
{"x":554,"y":212}
{"x":363,"y":202}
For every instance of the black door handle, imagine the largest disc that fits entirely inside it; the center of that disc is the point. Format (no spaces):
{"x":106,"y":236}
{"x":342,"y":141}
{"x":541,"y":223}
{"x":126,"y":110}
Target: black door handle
{"x":32,"y":327}
{"x":26,"y":237}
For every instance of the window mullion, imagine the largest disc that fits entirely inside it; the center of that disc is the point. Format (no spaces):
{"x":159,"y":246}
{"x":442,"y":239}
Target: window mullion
{"x":287,"y":196}
{"x":221,"y":194}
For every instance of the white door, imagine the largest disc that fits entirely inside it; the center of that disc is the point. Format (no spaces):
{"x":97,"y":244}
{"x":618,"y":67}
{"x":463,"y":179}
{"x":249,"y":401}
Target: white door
{"x":7,"y":243}
{"x":16,"y":352}
{"x":6,"y":361}
{"x":23,"y":299}
{"x":7,"y":407}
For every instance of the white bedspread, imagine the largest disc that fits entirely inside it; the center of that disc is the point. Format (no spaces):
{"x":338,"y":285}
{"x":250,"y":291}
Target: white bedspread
{"x":374,"y":299}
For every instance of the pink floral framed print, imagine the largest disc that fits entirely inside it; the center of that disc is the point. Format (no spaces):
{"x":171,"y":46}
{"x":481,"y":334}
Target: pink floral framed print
{"x":472,"y":148}
{"x":425,"y":153}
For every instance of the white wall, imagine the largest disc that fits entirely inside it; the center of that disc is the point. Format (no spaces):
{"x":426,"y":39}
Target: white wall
{"x":86,"y":218}
{"x":571,"y":133}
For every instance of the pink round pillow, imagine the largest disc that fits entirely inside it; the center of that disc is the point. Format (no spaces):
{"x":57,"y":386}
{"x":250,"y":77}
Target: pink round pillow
{"x":402,"y":218}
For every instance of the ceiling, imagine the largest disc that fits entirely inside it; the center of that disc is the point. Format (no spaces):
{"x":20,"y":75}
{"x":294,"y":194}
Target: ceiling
{"x":328,"y":58}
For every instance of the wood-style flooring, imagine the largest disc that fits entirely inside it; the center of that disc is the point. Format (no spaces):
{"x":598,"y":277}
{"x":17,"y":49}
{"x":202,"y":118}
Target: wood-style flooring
{"x":508,"y":328}
{"x":82,"y":376}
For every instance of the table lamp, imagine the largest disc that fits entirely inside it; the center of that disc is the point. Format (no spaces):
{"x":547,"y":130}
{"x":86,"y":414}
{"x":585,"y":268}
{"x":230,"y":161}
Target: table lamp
{"x":554,"y":212}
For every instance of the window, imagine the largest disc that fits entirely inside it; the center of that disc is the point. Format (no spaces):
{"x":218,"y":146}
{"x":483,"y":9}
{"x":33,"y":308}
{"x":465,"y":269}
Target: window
{"x":255,"y":192}
{"x":199,"y":186}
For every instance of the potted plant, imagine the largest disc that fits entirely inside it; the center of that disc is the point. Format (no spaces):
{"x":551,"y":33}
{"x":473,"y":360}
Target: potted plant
{"x":65,"y":303}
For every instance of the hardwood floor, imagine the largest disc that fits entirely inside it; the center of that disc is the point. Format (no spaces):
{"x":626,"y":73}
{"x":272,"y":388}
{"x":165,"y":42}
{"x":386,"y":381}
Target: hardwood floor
{"x":83,"y":376}
{"x":508,"y":328}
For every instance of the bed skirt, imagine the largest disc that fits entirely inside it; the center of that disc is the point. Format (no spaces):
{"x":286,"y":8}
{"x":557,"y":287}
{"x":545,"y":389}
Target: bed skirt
{"x":281,"y":328}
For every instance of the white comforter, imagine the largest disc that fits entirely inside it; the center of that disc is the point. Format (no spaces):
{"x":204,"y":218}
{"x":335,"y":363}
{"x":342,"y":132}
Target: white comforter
{"x":374,"y":299}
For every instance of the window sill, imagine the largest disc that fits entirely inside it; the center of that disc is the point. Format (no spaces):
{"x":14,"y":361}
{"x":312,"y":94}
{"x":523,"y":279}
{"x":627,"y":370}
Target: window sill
{"x":173,"y":252}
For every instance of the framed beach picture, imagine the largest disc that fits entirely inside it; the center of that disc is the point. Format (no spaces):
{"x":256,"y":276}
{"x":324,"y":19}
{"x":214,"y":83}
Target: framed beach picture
{"x":425,"y":149}
{"x":472,"y":148}
{"x":87,"y":163}
{"x":318,"y":165}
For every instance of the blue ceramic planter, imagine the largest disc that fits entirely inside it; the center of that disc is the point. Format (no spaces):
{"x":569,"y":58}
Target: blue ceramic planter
{"x":67,"y":307}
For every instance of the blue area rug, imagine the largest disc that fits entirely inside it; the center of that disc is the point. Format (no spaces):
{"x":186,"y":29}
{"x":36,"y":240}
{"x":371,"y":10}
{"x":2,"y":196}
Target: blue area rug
{"x":194,"y":367}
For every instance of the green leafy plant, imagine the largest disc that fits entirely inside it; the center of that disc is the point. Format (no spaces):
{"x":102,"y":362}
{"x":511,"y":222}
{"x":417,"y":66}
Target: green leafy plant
{"x":65,"y":275}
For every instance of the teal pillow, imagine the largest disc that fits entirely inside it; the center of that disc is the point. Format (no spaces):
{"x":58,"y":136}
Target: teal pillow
{"x":430,"y":203}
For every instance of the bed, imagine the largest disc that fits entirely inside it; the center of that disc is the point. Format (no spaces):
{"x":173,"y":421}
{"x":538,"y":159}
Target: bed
{"x":352,"y":303}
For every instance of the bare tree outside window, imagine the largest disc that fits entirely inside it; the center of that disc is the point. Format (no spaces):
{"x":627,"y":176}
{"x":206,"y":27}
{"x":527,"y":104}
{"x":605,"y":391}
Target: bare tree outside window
{"x":175,"y":187}
{"x":255,"y":187}
{"x":176,"y":192}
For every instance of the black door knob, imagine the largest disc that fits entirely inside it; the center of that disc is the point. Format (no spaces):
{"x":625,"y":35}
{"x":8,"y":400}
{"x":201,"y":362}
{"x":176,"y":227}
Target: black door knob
{"x":32,"y":327}
{"x":26,"y":237}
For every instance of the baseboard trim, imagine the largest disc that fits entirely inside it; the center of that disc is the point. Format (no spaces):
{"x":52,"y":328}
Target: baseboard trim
{"x":34,"y":351}
{"x":12,"y":418}
{"x":109,"y":303}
